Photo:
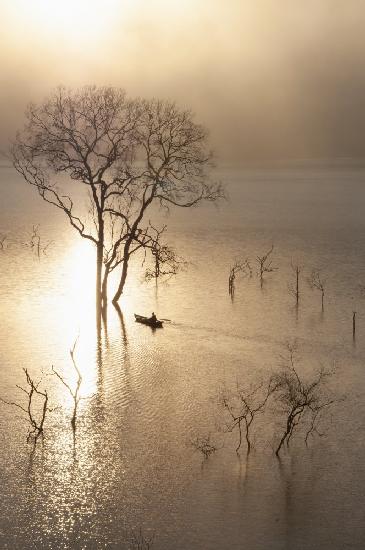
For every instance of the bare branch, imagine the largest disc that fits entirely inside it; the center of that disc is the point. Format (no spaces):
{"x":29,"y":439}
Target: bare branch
{"x":34,"y":395}
{"x":243,"y":405}
{"x":317,"y":282}
{"x":74,"y":392}
{"x":302,"y":402}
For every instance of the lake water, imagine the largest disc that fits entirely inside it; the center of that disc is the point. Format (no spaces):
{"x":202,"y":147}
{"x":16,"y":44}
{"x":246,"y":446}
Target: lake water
{"x":130,"y":470}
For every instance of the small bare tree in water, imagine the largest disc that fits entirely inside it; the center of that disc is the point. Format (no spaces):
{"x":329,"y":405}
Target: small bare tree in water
{"x":36,"y":408}
{"x":243,"y":267}
{"x":74,"y":392}
{"x":204,"y":445}
{"x":302,"y":402}
{"x":317,"y":282}
{"x":35,"y":242}
{"x":138,"y":541}
{"x":265,"y":265}
{"x":243,"y":405}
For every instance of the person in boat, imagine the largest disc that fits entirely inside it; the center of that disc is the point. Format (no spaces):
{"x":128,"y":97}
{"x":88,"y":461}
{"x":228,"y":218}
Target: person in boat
{"x":153,"y":317}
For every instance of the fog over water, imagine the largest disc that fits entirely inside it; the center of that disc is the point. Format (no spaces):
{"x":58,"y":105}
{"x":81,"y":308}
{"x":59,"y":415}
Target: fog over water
{"x":271,"y":79}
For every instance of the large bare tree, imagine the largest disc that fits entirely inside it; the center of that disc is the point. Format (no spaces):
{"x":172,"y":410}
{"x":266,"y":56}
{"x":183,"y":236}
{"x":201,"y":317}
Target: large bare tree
{"x":125,"y":154}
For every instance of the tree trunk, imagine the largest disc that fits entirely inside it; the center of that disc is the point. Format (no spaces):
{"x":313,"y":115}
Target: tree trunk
{"x":123,"y":277}
{"x":99,"y":268}
{"x":104,"y":287}
{"x":285,"y":435}
{"x":99,"y":263}
{"x":126,"y":254}
{"x":122,"y":281}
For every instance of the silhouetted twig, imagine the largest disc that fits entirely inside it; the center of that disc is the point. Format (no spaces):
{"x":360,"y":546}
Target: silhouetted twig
{"x":242,"y":406}
{"x":204,"y":445}
{"x":74,"y":392}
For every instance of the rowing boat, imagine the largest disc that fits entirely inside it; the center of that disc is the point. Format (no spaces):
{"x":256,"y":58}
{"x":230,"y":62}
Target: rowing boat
{"x":148,"y":321}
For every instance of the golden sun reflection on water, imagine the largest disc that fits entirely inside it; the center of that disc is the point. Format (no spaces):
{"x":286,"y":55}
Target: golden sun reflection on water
{"x":76,"y":310}
{"x":76,"y":316}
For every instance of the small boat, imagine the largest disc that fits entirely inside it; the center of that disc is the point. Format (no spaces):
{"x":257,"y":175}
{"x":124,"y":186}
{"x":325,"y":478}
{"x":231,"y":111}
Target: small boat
{"x":148,"y":321}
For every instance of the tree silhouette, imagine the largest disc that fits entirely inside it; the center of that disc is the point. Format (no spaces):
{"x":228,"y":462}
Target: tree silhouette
{"x":302,"y":402}
{"x":103,"y":160}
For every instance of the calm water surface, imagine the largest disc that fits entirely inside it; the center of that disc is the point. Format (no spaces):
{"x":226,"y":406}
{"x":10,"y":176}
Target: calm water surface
{"x":130,"y":466}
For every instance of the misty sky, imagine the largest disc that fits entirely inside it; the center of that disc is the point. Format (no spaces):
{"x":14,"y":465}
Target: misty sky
{"x":272,"y":79}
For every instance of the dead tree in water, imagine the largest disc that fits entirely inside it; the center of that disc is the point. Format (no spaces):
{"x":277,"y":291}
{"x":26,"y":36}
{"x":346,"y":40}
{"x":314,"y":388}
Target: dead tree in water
{"x":239,"y":266}
{"x":302,"y":402}
{"x":75,"y":393}
{"x":294,"y":288}
{"x":243,"y":405}
{"x":35,"y":242}
{"x":2,"y":241}
{"x":204,"y":445}
{"x":34,"y":394}
{"x":265,"y":265}
{"x":126,"y":155}
{"x":316,"y":282}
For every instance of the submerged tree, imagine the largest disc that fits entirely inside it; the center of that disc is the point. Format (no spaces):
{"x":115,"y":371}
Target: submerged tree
{"x":124,"y":155}
{"x":239,"y":266}
{"x":243,"y":405}
{"x":204,"y":445}
{"x":317,"y":282}
{"x":264,"y":264}
{"x":36,"y":407}
{"x":74,"y":392}
{"x":302,"y":402}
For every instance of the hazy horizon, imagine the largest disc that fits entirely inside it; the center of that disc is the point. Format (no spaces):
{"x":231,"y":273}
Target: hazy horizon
{"x":271,"y":80}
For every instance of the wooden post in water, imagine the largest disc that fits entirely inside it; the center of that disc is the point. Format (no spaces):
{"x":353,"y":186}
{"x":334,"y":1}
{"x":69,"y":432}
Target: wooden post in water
{"x":354,"y":325}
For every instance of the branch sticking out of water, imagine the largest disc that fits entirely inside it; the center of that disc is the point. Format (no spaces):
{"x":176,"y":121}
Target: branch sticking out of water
{"x":33,"y":392}
{"x":74,"y":392}
{"x":264,"y":264}
{"x":243,"y":405}
{"x":239,"y":266}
